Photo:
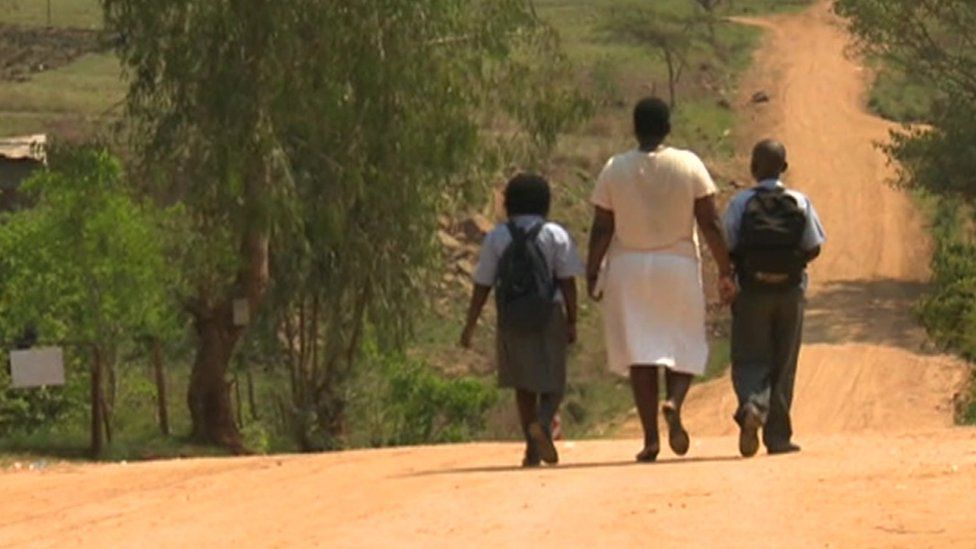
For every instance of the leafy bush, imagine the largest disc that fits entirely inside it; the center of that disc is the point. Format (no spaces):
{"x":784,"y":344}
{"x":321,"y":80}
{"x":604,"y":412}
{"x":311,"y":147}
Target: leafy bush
{"x":401,"y":401}
{"x":27,"y":410}
{"x":949,"y":311}
{"x":256,"y":437}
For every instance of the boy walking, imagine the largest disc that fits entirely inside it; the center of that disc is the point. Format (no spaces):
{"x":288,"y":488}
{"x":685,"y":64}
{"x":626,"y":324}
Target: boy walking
{"x":773,"y":233}
{"x":532,"y":264}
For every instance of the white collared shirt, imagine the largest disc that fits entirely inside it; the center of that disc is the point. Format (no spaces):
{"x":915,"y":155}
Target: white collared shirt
{"x":556,"y":244}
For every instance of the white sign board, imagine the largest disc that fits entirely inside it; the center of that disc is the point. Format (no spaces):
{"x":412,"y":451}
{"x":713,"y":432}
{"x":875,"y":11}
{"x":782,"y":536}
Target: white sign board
{"x":242,"y":312}
{"x":37,"y":367}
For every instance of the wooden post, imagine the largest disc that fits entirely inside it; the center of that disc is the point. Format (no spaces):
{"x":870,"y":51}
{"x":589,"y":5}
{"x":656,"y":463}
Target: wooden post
{"x":161,"y":406}
{"x":49,"y":13}
{"x":96,"y":403}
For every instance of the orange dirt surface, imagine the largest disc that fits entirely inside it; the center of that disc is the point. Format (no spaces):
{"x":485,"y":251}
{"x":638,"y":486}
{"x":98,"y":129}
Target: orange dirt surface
{"x":872,"y":491}
{"x":881,"y":465}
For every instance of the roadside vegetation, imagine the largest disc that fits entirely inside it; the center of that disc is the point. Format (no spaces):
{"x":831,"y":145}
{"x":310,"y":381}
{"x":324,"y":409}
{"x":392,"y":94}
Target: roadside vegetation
{"x":258,"y":206}
{"x":927,"y":76}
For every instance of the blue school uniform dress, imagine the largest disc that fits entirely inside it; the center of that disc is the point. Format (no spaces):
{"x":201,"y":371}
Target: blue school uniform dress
{"x":533,"y":362}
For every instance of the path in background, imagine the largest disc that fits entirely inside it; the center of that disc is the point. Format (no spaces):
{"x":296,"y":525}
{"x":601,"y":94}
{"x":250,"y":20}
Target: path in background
{"x":881,"y":466}
{"x":865,"y":364}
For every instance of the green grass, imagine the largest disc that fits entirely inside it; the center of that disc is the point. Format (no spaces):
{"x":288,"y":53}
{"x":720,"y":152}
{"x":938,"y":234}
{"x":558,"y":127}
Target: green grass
{"x":85,"y":14}
{"x":753,"y":7}
{"x":71,"y":101}
{"x":89,"y":86}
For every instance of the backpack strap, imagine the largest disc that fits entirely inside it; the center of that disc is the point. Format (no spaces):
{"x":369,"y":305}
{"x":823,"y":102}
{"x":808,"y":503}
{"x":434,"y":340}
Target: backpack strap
{"x":520,"y":235}
{"x":535,"y":230}
{"x":517,"y":233}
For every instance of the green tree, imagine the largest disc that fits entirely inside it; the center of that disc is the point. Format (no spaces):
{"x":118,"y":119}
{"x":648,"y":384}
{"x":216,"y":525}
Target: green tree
{"x":670,"y":35}
{"x":334,"y":131}
{"x":87,"y":265}
{"x":933,"y":41}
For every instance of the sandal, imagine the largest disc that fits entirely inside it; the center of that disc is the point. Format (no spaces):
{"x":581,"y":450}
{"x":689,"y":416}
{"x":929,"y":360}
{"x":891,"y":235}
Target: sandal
{"x":543,"y":442}
{"x":677,"y":435}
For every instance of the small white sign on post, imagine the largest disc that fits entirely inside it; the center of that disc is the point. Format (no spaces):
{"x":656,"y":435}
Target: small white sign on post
{"x":242,"y":312}
{"x":37,"y":367}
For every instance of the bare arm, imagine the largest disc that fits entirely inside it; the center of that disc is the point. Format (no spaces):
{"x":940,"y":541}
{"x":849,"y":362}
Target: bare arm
{"x":706,"y":213}
{"x":568,"y":288}
{"x":479,"y":296}
{"x":601,"y":235}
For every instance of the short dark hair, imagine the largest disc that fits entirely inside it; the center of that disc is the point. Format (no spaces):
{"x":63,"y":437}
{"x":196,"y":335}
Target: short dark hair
{"x":652,"y":118}
{"x":527,"y":194}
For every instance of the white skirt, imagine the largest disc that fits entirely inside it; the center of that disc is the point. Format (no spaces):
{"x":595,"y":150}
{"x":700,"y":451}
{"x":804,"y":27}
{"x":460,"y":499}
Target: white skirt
{"x":654,"y":312}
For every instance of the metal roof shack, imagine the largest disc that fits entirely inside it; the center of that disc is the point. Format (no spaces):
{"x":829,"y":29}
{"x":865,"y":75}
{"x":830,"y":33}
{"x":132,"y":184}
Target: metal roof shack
{"x":19,"y":158}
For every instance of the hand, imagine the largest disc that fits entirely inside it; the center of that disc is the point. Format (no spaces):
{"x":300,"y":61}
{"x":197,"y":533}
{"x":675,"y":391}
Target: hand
{"x":571,"y":333}
{"x":727,"y":288}
{"x":467,"y":335}
{"x":591,"y":281}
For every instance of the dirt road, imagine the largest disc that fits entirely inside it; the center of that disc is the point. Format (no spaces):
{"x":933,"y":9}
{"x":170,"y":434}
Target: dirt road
{"x":881,"y":467}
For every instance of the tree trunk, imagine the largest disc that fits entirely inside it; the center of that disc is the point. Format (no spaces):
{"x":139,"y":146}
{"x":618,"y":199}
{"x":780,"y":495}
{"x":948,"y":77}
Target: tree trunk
{"x":208,"y":398}
{"x":106,"y":419}
{"x":162,"y":410}
{"x":211,"y":409}
{"x":238,"y":405}
{"x":672,"y":78}
{"x":97,"y":420}
{"x":108,"y":400}
{"x":250,"y":395}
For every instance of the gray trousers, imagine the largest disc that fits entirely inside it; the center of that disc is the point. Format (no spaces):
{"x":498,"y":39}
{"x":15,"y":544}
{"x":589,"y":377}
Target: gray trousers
{"x":767,"y":327}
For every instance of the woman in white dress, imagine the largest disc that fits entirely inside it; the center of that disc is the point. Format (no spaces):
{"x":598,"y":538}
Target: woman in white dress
{"x":647,"y":202}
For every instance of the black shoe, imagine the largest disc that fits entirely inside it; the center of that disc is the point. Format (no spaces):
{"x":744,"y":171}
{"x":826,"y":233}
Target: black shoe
{"x":677,"y":435}
{"x":788,"y":448}
{"x":749,"y":431}
{"x":543,"y":442}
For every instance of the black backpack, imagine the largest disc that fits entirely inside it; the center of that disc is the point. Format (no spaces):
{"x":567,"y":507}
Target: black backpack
{"x":525,"y":288}
{"x":769,"y":252}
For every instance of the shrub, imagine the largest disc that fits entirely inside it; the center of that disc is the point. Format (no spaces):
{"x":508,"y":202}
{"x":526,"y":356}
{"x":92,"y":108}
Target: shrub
{"x":399,"y":400}
{"x":949,"y":311}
